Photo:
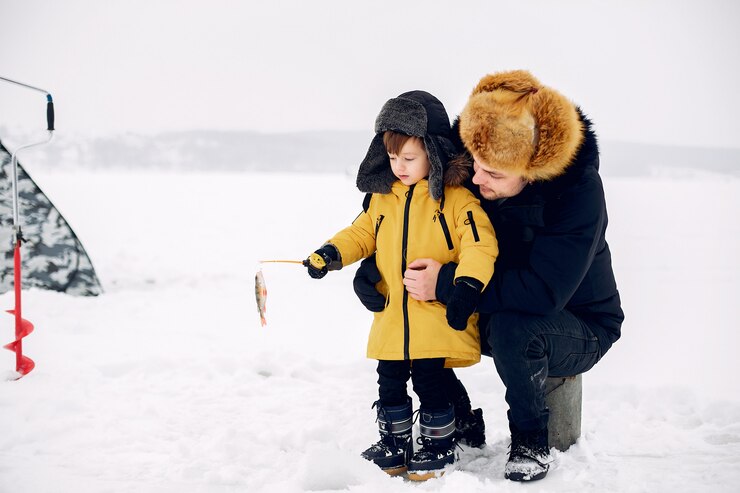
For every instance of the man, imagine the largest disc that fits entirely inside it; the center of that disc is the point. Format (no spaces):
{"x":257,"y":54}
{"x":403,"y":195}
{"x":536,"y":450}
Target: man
{"x":552,"y":307}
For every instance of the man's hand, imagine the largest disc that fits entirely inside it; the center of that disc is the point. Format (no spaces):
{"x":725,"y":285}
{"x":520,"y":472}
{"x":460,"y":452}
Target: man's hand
{"x":420,"y":279}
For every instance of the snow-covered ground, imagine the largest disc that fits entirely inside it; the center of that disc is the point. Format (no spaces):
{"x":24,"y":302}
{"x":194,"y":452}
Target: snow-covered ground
{"x":168,"y":383}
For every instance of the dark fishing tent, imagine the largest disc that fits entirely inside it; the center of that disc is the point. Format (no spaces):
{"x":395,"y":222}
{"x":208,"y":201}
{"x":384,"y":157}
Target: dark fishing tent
{"x":53,"y":257}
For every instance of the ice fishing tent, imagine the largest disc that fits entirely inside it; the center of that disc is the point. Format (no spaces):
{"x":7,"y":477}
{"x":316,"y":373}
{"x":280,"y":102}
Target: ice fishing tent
{"x":53,"y":257}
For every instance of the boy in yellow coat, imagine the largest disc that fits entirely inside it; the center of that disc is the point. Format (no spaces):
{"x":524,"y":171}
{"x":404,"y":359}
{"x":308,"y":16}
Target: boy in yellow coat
{"x":416,"y":208}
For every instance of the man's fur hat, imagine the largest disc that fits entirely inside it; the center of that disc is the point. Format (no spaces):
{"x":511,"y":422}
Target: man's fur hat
{"x":415,"y":113}
{"x":515,"y":124}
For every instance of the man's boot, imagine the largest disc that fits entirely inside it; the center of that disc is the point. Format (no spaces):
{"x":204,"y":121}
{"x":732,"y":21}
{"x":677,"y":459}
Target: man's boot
{"x":393,"y":451}
{"x":437,"y":442}
{"x":470,"y":429}
{"x":529,"y":457}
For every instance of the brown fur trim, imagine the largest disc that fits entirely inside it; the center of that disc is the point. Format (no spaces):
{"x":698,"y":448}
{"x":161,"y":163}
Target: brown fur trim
{"x":456,"y":174}
{"x":518,"y":81}
{"x":560,"y":135}
{"x":463,"y":159}
{"x":515,"y":124}
{"x":499,"y":129}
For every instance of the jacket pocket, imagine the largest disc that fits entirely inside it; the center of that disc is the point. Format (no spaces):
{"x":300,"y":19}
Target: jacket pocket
{"x":471,"y":222}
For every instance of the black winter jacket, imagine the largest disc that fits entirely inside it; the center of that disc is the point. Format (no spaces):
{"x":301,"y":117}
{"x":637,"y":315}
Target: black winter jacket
{"x":553,"y":254}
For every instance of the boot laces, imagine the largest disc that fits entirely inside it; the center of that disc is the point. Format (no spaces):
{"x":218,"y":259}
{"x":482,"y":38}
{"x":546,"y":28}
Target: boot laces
{"x":390,"y":443}
{"x":381,"y":410}
{"x":429,"y":450}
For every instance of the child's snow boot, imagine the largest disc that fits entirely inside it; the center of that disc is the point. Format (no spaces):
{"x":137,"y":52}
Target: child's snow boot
{"x":437,"y":442}
{"x":393,"y":451}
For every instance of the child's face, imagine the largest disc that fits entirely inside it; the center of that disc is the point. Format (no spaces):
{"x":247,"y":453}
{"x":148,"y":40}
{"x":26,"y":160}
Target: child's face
{"x":411,"y":164}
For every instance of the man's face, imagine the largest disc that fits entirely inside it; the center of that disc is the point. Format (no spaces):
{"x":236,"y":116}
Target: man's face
{"x":494,"y":183}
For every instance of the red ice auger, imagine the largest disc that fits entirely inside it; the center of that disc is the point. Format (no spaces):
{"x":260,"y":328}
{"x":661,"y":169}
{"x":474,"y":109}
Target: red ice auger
{"x":23,"y":364}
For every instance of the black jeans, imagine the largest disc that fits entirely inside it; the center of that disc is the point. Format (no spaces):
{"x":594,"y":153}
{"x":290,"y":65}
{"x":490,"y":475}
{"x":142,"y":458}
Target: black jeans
{"x":529,"y":348}
{"x":429,"y":377}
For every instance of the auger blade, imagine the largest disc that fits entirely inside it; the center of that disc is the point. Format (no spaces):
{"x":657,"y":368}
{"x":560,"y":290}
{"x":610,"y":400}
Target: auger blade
{"x":26,"y":365}
{"x":26,"y":326}
{"x":23,"y":364}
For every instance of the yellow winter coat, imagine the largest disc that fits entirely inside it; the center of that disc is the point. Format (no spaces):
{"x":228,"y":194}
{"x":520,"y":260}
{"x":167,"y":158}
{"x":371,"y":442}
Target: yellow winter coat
{"x":409,"y":220}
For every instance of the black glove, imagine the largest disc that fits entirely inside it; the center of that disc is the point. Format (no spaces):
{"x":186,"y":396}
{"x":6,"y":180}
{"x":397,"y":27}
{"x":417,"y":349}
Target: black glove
{"x":463,"y":301}
{"x":366,"y":277}
{"x":445,"y":282}
{"x":319,"y":261}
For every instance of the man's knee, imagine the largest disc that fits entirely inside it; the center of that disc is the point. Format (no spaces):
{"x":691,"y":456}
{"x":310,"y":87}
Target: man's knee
{"x":512,"y":334}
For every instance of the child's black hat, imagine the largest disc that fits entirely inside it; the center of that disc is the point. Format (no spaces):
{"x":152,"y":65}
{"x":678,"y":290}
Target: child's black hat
{"x":415,"y":113}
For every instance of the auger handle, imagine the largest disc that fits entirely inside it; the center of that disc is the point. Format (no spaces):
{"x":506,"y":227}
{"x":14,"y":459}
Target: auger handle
{"x":49,"y":113}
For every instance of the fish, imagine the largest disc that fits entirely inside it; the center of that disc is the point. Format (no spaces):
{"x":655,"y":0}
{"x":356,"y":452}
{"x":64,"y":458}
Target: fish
{"x":260,"y":291}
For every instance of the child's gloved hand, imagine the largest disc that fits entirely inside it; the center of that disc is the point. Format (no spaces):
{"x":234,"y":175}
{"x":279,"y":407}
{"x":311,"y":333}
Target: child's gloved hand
{"x":319,"y":261}
{"x":366,"y":277}
{"x":463,"y":301}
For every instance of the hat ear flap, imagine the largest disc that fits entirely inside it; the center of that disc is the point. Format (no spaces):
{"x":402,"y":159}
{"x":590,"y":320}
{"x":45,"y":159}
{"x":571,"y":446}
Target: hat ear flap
{"x":375,"y":174}
{"x":437,"y":162}
{"x":560,"y":134}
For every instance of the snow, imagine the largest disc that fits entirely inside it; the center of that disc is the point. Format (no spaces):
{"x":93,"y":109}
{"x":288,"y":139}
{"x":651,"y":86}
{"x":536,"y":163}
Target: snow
{"x":168,"y":383}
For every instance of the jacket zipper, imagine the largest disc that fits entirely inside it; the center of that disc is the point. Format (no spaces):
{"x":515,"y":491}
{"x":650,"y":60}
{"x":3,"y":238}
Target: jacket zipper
{"x":404,"y":246}
{"x":445,"y":229}
{"x":471,"y":222}
{"x":377,"y":225}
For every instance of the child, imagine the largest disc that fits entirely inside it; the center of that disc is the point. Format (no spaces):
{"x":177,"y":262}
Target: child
{"x":412,"y":210}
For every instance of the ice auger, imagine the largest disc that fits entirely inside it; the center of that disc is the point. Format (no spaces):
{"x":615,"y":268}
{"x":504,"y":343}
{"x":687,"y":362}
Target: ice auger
{"x":23,"y":364}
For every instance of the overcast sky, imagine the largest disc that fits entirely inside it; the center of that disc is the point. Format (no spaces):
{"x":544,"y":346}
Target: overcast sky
{"x":663,"y":72}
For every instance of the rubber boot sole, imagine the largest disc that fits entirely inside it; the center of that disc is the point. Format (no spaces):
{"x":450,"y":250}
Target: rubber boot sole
{"x":395,"y":471}
{"x":521,"y":477}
